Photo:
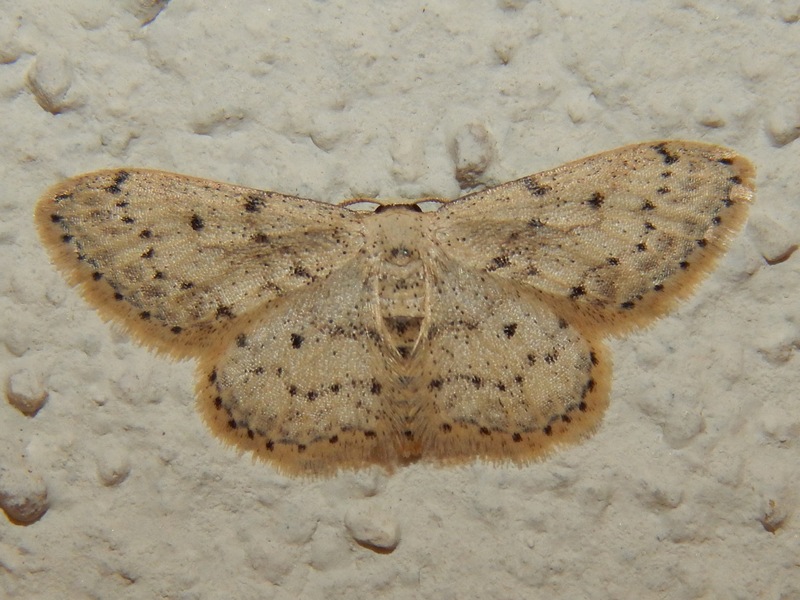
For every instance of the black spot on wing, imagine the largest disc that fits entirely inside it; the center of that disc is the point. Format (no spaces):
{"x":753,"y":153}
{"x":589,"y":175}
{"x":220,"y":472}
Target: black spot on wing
{"x":435,"y":384}
{"x":120,"y":178}
{"x":534,"y":187}
{"x":297,"y":340}
{"x":596,"y":200}
{"x":299,"y":271}
{"x":498,"y":262}
{"x":253,"y":204}
{"x":577,"y":292}
{"x":224,"y":312}
{"x":668,"y":157}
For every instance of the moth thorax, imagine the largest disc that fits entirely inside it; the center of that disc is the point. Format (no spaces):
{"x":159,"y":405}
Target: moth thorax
{"x":403,"y":300}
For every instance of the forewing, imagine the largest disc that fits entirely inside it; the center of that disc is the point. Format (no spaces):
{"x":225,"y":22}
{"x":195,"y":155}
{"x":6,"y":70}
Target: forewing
{"x":616,"y":237}
{"x":176,"y":259}
{"x":307,"y":385}
{"x":504,"y":376}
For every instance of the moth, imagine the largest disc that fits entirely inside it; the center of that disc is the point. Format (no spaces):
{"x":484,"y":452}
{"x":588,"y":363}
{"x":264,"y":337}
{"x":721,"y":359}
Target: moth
{"x":328,"y":338}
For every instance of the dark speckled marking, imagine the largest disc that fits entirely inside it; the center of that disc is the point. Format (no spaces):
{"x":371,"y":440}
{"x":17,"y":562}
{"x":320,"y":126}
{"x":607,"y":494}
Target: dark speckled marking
{"x":534,"y":187}
{"x":116,"y":187}
{"x":535,"y":223}
{"x":596,"y":200}
{"x":669,"y":158}
{"x":498,"y":262}
{"x":224,"y":312}
{"x":253,"y":204}
{"x":577,"y":292}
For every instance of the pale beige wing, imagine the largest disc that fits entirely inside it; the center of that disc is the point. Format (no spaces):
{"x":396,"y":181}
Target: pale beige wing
{"x":616,"y":237}
{"x":504,"y":376}
{"x":177,"y":260}
{"x":307,"y":385}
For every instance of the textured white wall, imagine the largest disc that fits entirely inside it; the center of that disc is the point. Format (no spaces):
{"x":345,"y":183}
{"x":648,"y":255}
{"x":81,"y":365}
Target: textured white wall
{"x":688,"y":490}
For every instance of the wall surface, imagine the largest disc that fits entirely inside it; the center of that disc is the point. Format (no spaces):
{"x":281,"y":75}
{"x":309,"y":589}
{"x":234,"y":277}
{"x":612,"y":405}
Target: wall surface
{"x":118,"y":490}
